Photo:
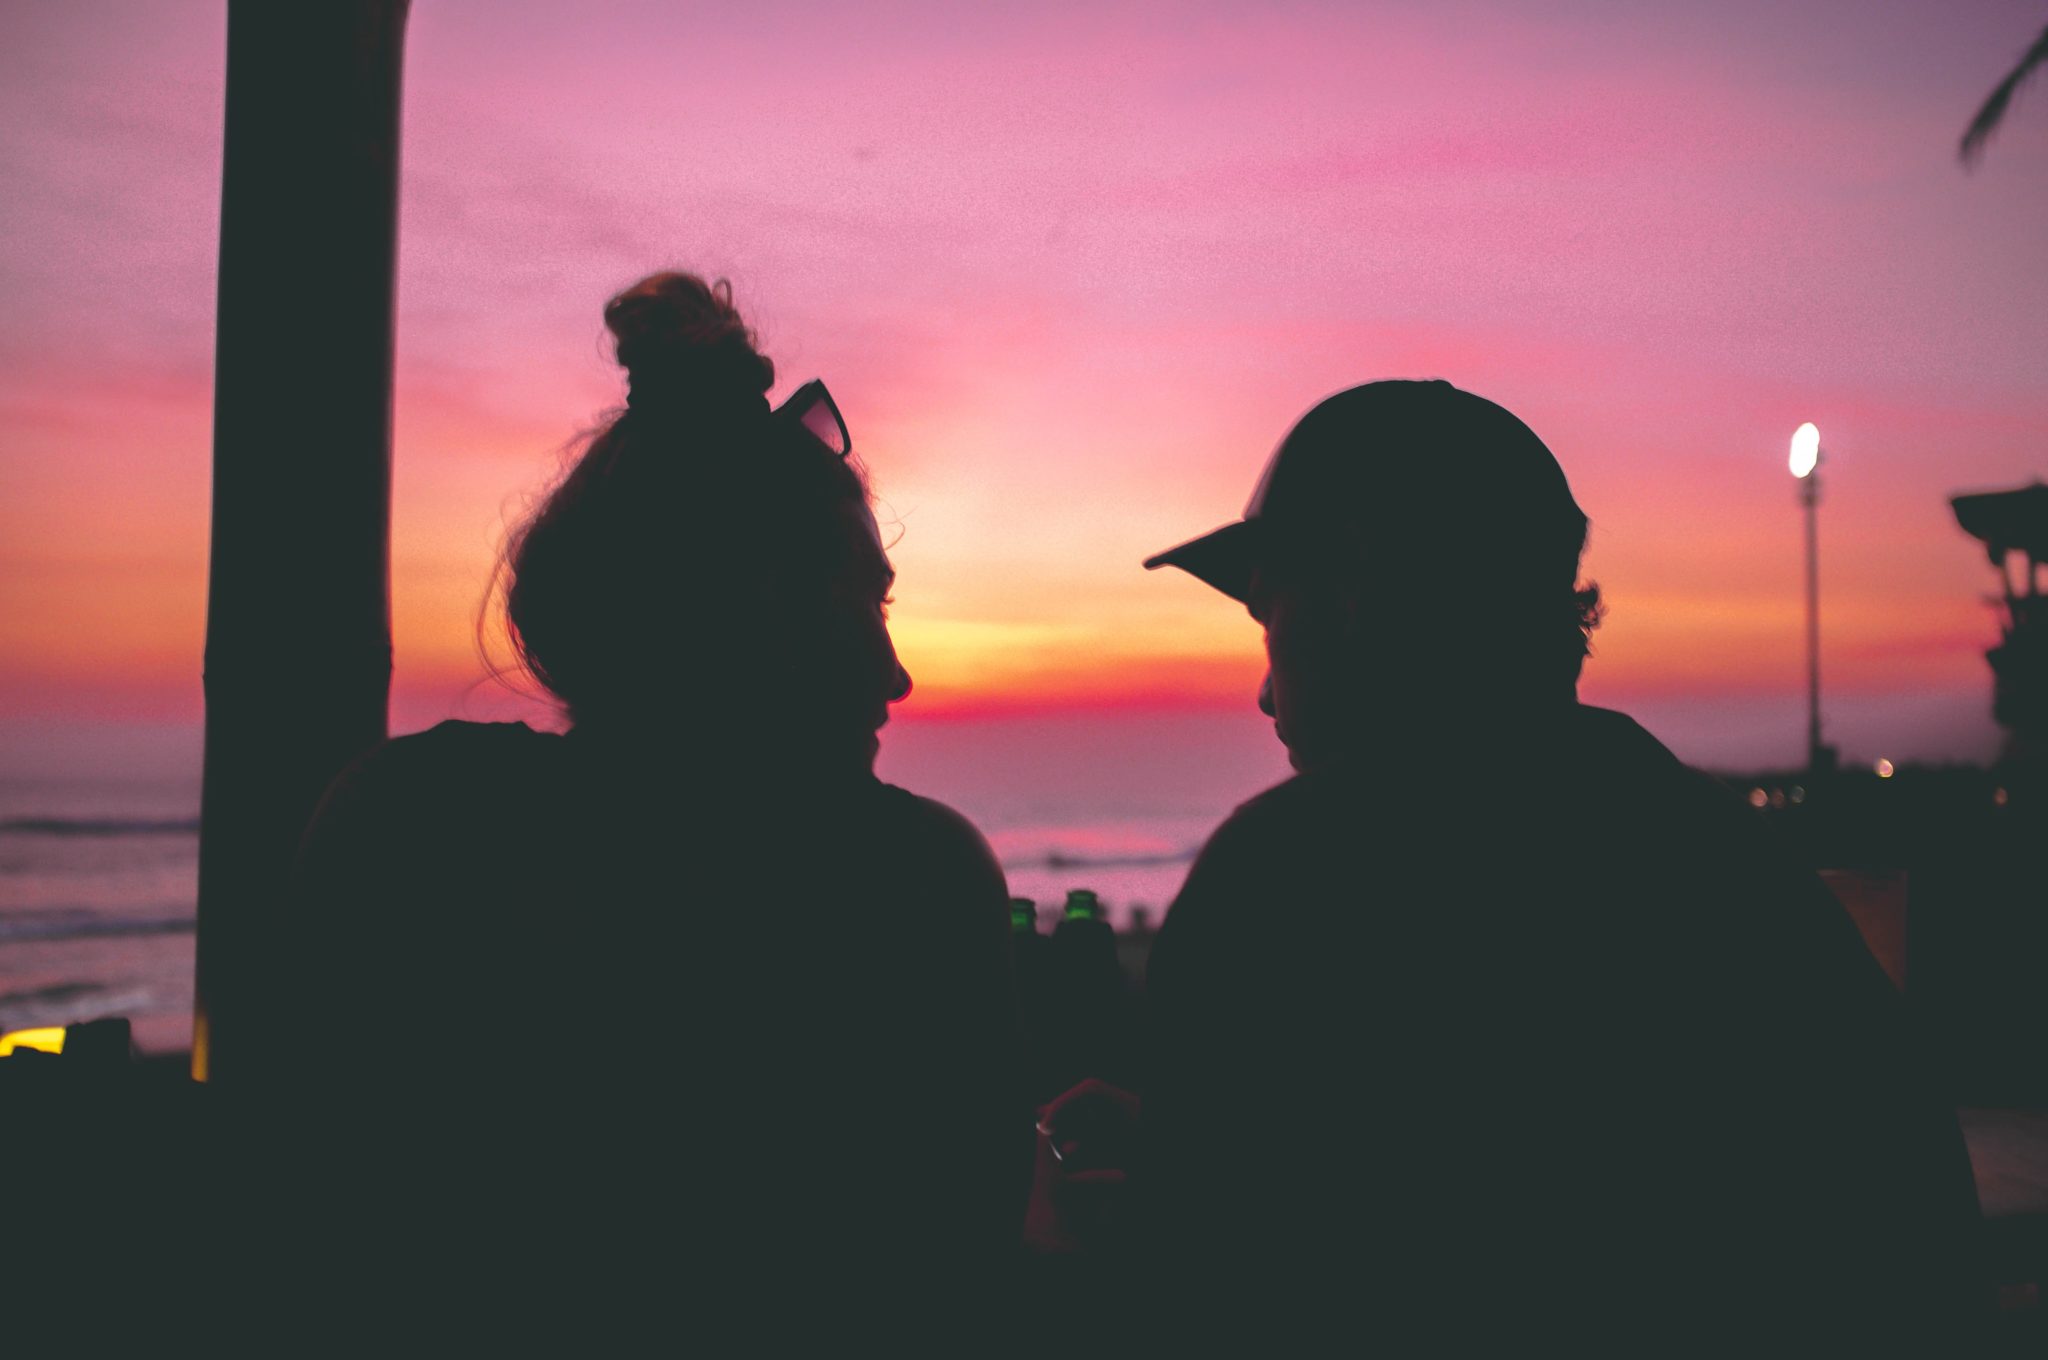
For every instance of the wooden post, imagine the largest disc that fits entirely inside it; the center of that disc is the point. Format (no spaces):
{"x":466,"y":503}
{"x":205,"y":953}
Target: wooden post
{"x":298,"y":625}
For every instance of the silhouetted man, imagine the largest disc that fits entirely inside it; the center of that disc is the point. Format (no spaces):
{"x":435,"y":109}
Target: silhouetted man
{"x":1496,"y":1024}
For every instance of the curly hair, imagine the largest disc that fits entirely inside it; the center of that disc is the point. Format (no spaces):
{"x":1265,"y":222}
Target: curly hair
{"x":593,"y":579}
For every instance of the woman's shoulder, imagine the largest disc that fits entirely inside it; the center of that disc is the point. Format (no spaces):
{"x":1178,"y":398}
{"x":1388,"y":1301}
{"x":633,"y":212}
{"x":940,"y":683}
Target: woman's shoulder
{"x":936,"y":828}
{"x":459,"y":746}
{"x":453,"y":737}
{"x":451,"y":764}
{"x":927,"y":814}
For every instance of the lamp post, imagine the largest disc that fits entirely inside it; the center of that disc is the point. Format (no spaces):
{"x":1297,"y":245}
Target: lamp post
{"x":1806,"y":457}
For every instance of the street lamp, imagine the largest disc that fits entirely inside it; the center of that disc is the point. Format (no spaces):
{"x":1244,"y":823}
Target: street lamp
{"x":1806,"y":467}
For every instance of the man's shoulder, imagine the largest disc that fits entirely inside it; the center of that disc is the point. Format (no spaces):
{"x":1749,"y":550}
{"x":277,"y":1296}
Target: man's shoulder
{"x":1621,"y":753}
{"x":1609,"y":752}
{"x":1272,"y":828}
{"x":1604,"y":731}
{"x":1278,"y":802}
{"x":1278,"y":811}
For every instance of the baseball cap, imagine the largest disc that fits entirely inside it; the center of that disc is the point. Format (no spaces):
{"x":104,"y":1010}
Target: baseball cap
{"x":1399,"y":466}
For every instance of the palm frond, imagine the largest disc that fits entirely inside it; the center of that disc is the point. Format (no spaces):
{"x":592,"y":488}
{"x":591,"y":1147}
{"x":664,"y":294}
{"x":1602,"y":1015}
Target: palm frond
{"x":1978,"y":134}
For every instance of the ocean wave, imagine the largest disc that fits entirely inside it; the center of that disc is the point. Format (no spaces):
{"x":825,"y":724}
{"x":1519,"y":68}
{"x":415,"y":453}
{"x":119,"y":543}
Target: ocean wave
{"x":55,"y":993}
{"x":40,"y":926}
{"x":101,"y":826}
{"x":69,"y":1002}
{"x":1061,"y":859}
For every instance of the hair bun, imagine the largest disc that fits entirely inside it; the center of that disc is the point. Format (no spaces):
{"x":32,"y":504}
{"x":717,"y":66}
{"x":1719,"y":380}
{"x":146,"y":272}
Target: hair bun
{"x":683,"y":343}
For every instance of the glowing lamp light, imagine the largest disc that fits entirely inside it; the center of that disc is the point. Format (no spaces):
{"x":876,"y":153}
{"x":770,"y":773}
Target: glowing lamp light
{"x":49,"y":1040}
{"x":1805,"y":449}
{"x":1885,"y":769}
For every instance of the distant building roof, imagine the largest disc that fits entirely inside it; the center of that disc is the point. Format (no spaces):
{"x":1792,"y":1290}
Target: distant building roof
{"x":2007,"y":519}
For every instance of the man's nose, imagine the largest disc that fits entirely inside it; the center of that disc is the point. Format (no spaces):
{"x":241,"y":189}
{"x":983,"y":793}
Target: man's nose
{"x":1266,"y":696}
{"x":900,"y":686}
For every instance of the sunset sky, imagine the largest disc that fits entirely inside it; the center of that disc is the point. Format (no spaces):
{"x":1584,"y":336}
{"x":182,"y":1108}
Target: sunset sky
{"x":1071,"y":271}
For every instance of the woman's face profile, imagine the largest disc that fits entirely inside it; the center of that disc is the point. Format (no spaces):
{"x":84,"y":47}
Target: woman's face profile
{"x":857,"y":673}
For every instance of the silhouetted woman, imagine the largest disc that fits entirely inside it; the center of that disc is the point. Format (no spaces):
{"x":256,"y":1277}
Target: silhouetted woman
{"x":690,"y":970}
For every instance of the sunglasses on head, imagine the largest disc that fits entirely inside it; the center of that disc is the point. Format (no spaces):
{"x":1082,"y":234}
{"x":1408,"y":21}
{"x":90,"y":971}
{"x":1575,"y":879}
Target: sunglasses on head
{"x":812,"y":408}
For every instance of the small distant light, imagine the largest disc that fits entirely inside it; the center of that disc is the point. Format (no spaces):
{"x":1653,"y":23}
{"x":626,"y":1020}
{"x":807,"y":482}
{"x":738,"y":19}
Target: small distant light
{"x":1885,"y":769}
{"x":50,"y":1039}
{"x":1805,"y":449}
{"x":1798,"y":794}
{"x":1758,"y":798}
{"x":1777,"y":798}
{"x":1998,"y":797}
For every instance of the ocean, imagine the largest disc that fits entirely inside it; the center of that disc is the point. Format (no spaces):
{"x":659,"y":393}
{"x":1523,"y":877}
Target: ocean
{"x":99,"y":838}
{"x":99,"y":871}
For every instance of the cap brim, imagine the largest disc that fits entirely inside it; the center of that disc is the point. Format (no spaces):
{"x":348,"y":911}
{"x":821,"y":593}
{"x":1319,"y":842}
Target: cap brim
{"x":1223,"y":559}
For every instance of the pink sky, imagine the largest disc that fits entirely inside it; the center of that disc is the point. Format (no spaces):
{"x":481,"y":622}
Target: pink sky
{"x":1071,"y":271}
